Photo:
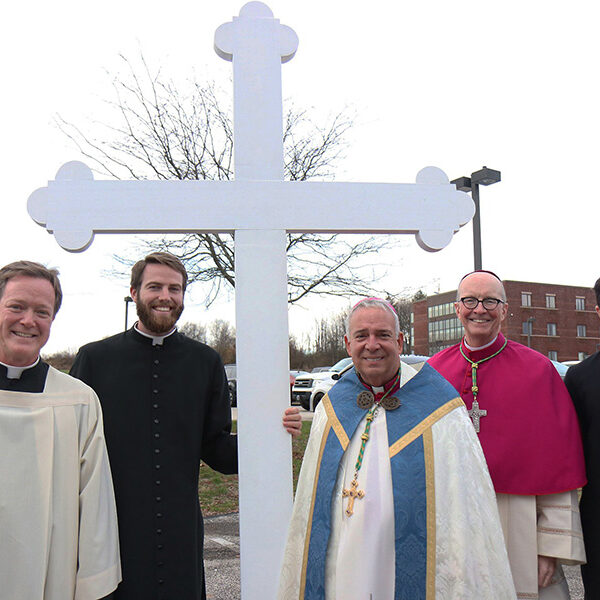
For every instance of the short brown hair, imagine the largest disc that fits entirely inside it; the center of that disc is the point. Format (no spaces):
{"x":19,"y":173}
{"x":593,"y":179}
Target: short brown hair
{"x":156,"y":258}
{"x":27,"y":268}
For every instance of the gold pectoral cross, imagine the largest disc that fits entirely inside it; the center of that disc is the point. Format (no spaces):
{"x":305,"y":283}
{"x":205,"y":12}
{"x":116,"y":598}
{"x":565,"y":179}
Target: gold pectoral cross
{"x":352,"y":494}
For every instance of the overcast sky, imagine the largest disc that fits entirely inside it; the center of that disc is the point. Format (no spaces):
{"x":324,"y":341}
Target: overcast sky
{"x":457,"y":85}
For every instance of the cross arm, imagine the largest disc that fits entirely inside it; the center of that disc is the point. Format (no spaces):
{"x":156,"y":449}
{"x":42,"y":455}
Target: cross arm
{"x":74,"y":207}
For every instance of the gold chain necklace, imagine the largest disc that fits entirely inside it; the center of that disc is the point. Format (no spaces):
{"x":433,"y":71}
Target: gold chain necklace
{"x":353,"y":492}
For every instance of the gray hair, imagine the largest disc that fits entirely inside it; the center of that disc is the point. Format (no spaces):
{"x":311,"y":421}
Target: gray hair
{"x":374,"y":303}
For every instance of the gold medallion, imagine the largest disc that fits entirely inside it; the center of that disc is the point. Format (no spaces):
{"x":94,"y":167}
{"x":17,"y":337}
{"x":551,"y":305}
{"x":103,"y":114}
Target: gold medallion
{"x":390,"y":403}
{"x":365,"y":400}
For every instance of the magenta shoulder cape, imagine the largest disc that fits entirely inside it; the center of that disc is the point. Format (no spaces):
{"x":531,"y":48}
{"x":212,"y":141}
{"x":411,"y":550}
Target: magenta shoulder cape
{"x":530,"y":436}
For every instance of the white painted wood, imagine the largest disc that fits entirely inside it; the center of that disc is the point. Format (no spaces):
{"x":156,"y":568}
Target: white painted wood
{"x":296,"y":206}
{"x":259,"y":207}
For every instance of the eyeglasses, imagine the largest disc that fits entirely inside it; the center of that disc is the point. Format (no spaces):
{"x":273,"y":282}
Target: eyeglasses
{"x":488,"y":303}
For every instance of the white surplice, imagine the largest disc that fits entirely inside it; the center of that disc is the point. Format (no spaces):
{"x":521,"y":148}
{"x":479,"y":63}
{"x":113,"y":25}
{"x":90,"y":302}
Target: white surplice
{"x":58,"y":523}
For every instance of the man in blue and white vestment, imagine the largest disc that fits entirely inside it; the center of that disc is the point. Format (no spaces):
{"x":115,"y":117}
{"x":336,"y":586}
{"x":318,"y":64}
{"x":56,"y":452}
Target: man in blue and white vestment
{"x":394,"y":499}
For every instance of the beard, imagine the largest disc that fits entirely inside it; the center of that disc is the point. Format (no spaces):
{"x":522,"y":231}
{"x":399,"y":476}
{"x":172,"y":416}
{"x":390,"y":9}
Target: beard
{"x":158,"y":323}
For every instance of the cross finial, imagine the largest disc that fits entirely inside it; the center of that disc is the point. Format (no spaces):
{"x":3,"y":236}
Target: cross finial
{"x":256,"y":43}
{"x":253,"y":27}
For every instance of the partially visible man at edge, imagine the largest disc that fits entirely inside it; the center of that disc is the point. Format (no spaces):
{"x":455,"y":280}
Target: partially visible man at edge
{"x":166,"y":407}
{"x":385,"y":502}
{"x":583,"y":383}
{"x":58,"y":528}
{"x":529,"y":434}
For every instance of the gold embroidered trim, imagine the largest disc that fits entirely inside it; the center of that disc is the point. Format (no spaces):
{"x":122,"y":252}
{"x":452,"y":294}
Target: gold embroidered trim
{"x":425,"y":424}
{"x":431,"y":523}
{"x":333,"y":420}
{"x":312,"y":508}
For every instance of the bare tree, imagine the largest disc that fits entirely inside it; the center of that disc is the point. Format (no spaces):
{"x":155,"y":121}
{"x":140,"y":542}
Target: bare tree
{"x":164,"y":132}
{"x":222,"y":339}
{"x":299,"y":357}
{"x":196,"y":331}
{"x":328,"y":345}
{"x":403,"y":306}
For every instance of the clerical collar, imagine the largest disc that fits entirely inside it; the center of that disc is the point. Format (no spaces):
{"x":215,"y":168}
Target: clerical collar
{"x":394,"y":382}
{"x":13,"y":372}
{"x":157,"y":340}
{"x":475,"y":348}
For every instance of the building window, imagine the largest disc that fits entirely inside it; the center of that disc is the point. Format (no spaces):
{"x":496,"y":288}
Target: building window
{"x":527,"y":327}
{"x":550,"y":301}
{"x":525,"y":298}
{"x":441,"y":310}
{"x":445,"y":330}
{"x":553,"y":355}
{"x":579,"y":303}
{"x":581,"y":330}
{"x":581,"y":356}
{"x":551,"y":328}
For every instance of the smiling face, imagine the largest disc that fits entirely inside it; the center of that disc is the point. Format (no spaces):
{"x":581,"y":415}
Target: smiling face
{"x":26,"y":315}
{"x":373,"y":344}
{"x":159,"y":299}
{"x":481,"y":325}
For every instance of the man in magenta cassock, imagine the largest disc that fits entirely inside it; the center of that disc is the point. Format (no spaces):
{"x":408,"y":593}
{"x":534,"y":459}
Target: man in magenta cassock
{"x":528,"y":430}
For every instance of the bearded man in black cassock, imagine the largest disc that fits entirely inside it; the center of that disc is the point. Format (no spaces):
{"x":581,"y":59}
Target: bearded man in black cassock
{"x":166,"y":407}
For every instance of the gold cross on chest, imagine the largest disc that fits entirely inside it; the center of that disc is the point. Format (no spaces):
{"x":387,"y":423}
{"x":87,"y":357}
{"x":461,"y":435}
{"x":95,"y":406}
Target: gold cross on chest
{"x":352,"y":494}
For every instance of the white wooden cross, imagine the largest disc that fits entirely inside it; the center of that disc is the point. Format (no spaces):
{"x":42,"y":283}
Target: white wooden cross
{"x":259,"y":207}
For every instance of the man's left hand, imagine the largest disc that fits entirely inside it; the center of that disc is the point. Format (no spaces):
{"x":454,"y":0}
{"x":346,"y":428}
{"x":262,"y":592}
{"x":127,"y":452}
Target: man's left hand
{"x":292,"y":421}
{"x":546,"y":568}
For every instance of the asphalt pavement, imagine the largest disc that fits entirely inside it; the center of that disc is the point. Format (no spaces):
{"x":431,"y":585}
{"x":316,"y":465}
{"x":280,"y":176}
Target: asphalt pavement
{"x":222,"y":557}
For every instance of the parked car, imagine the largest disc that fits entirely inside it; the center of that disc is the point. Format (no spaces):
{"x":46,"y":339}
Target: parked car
{"x":293,"y":374}
{"x":309,"y":389}
{"x":560,"y":367}
{"x":231,"y":372}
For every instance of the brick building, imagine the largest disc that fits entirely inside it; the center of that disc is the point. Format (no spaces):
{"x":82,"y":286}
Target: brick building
{"x":557,"y":320}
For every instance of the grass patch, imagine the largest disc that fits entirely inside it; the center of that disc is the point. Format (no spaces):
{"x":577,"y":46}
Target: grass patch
{"x":218,"y":493}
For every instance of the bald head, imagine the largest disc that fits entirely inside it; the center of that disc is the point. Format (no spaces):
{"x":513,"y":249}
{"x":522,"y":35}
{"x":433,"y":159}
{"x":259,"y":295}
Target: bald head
{"x":481,"y":278}
{"x":481,"y":325}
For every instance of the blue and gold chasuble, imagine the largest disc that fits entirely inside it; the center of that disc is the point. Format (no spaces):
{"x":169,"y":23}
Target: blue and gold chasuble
{"x":425,"y":399}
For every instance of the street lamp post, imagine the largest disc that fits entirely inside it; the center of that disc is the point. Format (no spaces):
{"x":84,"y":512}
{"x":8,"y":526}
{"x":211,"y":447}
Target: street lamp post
{"x":530,"y":321}
{"x":471,"y":184}
{"x":127,"y":300}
